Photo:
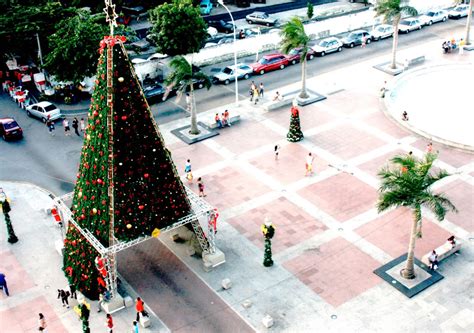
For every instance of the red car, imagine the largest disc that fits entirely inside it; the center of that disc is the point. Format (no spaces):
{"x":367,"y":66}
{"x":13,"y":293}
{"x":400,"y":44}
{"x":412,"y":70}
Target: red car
{"x":9,"y":129}
{"x":269,"y":63}
{"x":294,"y":55}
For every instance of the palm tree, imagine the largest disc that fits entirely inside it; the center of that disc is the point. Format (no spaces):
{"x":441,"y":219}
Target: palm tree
{"x":392,"y":11}
{"x":408,"y":183}
{"x":294,"y":36}
{"x":468,"y":23}
{"x":183,"y":77}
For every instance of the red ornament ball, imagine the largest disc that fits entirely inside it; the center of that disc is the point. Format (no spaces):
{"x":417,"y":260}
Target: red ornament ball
{"x":141,"y":207}
{"x":124,"y":118}
{"x":146,"y":175}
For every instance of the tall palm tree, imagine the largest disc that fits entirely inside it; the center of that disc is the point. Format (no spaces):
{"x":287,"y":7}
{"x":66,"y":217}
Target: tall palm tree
{"x":294,"y":36}
{"x":183,"y":78}
{"x":392,"y":11}
{"x":468,"y":23}
{"x":408,"y":183}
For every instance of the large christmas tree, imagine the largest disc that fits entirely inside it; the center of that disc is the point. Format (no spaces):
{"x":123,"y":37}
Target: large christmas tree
{"x":126,"y":176}
{"x":294,"y":133}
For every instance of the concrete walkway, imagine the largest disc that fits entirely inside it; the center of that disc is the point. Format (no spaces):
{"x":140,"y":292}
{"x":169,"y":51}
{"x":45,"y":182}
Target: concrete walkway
{"x":329,"y":237}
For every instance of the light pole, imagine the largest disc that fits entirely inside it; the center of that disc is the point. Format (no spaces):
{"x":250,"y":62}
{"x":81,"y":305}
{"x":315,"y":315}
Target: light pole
{"x":221,"y":2}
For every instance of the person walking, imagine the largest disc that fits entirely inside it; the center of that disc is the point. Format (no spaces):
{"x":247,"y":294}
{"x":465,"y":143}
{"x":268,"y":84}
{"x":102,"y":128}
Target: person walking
{"x":255,"y":95}
{"x":134,"y":327}
{"x":67,"y":129}
{"x":72,"y":288}
{"x":364,"y":42}
{"x":64,"y":295}
{"x":140,"y":308}
{"x":42,"y":323}
{"x":75,"y":125}
{"x":462,"y":42}
{"x":187,"y":170}
{"x":3,"y":284}
{"x":109,"y":322}
{"x":277,"y":151}
{"x":309,"y":164}
{"x":260,"y":89}
{"x":83,"y":125}
{"x":201,"y":187}
{"x":50,"y":125}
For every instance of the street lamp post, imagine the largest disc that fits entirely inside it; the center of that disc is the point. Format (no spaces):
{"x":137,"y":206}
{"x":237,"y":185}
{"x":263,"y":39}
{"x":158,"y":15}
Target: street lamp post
{"x":221,"y":2}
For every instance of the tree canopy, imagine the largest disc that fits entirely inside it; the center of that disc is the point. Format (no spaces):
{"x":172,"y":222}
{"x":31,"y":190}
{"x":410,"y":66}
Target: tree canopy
{"x":178,"y":28}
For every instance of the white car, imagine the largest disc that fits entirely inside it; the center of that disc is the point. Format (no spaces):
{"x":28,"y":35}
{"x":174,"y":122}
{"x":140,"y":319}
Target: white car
{"x":382,"y":31}
{"x":43,"y":111}
{"x":227,"y":74}
{"x":327,"y":45}
{"x":409,"y":24}
{"x":459,"y":11}
{"x":433,"y":16}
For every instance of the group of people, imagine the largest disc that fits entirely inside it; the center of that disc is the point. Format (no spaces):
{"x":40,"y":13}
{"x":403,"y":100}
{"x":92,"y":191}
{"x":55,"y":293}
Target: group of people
{"x":224,"y":120}
{"x":256,"y":91}
{"x":76,"y":125}
{"x":20,"y":95}
{"x":450,"y":45}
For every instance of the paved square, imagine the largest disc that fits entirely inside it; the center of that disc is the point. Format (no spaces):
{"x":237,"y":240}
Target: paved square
{"x":462,"y":196}
{"x":342,"y":196}
{"x":292,"y":224}
{"x":17,"y":278}
{"x":338,"y":271}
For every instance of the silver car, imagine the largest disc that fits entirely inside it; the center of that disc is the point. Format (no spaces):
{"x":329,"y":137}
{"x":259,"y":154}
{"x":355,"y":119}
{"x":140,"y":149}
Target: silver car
{"x":409,"y":24}
{"x":43,"y":111}
{"x":227,"y":74}
{"x":459,"y":11}
{"x":433,"y":16}
{"x":328,"y":45}
{"x":382,"y":31}
{"x":260,"y":18}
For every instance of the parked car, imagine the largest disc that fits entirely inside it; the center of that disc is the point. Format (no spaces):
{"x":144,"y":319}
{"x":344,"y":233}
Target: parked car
{"x":154,"y":92}
{"x":205,"y":7}
{"x":225,"y":40}
{"x":382,"y":31}
{"x":328,"y":45}
{"x":433,"y":16}
{"x":409,"y":24}
{"x":211,"y":31}
{"x":356,"y":37}
{"x":222,"y":26}
{"x":294,"y":55}
{"x":43,"y":111}
{"x":260,"y":18}
{"x":227,"y":74}
{"x":269,"y":62}
{"x":459,"y":11}
{"x":9,"y":129}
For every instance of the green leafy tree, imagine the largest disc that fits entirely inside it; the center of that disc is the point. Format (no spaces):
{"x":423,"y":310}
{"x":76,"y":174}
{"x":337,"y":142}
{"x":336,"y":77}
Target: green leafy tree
{"x":178,"y":28}
{"x":294,"y":36}
{"x":392,"y":11}
{"x":310,"y":10}
{"x":183,"y":78}
{"x":408,"y":183}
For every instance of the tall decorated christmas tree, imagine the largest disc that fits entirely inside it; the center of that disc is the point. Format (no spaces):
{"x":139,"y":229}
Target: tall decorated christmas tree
{"x":127,"y":185}
{"x":294,"y":133}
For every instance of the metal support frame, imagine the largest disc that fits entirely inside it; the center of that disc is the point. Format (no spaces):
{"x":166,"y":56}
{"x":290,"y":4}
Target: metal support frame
{"x":200,"y":208}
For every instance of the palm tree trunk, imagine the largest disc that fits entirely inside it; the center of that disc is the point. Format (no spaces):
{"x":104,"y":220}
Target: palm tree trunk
{"x":409,"y":271}
{"x":468,"y":23}
{"x":396,"y":20}
{"x":303,"y":93}
{"x":192,"y":105}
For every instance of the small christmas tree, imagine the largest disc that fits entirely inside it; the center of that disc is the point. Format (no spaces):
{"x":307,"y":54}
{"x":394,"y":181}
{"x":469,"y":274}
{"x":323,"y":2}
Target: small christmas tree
{"x":295,"y":134}
{"x":12,"y":239}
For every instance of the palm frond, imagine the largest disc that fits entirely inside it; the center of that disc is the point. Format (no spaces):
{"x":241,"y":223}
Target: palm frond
{"x":293,"y":36}
{"x":204,"y":78}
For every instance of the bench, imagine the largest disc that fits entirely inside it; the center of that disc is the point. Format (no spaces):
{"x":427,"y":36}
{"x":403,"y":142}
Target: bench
{"x":234,"y":118}
{"x":286,"y":99}
{"x":414,"y":60}
{"x":443,"y":252}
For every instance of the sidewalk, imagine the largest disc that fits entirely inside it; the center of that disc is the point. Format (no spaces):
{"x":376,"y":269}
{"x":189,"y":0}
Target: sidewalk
{"x":329,"y":237}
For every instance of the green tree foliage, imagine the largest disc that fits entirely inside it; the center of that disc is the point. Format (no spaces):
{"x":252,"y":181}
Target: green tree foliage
{"x":20,"y":21}
{"x":310,"y":10}
{"x":295,"y":134}
{"x":182,"y":77}
{"x":392,"y":11}
{"x":178,"y":28}
{"x":147,"y":191}
{"x":294,"y":36}
{"x":408,"y":183}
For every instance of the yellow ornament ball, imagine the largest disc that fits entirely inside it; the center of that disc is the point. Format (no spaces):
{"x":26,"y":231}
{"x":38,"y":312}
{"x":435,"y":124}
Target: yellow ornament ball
{"x":94,"y":211}
{"x":88,"y":137}
{"x":79,"y":194}
{"x":129,"y":226}
{"x":120,"y":79}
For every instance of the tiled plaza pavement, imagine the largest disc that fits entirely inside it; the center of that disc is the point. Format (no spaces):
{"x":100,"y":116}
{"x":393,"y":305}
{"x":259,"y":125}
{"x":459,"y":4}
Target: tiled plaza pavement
{"x":329,"y":236}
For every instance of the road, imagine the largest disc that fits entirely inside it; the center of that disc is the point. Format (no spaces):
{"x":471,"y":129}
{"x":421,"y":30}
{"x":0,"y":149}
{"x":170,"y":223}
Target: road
{"x":52,"y":161}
